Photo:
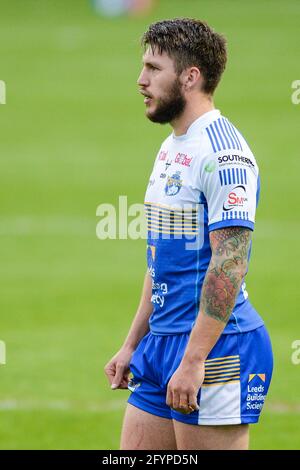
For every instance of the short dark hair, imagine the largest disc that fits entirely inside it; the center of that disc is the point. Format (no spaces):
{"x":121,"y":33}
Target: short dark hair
{"x":190,"y":42}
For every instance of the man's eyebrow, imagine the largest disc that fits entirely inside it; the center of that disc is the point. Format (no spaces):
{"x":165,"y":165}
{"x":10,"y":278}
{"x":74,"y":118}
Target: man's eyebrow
{"x":151,"y":62}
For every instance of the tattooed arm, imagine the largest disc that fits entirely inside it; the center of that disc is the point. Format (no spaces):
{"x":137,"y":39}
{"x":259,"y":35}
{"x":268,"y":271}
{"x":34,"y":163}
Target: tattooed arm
{"x":221,"y":286}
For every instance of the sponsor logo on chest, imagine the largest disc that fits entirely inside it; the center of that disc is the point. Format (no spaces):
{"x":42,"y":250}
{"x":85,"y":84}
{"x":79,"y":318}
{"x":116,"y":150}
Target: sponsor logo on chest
{"x":183,"y":159}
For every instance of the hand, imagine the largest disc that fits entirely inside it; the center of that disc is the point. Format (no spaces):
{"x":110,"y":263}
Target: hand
{"x":117,"y":369}
{"x":184,"y":386}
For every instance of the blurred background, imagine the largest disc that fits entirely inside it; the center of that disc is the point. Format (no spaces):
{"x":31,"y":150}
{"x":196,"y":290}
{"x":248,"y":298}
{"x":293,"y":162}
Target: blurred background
{"x":73,"y":135}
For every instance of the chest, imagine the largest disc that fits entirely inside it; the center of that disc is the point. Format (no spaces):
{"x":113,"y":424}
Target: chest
{"x":173,"y":180}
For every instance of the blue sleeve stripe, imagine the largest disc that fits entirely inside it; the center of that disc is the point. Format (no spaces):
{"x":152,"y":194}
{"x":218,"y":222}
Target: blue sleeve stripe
{"x":228,"y":133}
{"x":238,"y":215}
{"x":229,"y":176}
{"x":233,"y":136}
{"x":258,"y":190}
{"x":223,"y":135}
{"x":223,"y":132}
{"x":221,"y":179}
{"x":237,"y":175}
{"x":241,"y":176}
{"x":233,"y":175}
{"x":231,"y":223}
{"x":215,"y":137}
{"x":236,"y":136}
{"x":219,"y":134}
{"x":211,"y":140}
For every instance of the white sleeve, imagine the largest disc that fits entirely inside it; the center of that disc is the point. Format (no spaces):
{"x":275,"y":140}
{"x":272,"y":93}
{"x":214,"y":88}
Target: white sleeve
{"x":230,"y":186}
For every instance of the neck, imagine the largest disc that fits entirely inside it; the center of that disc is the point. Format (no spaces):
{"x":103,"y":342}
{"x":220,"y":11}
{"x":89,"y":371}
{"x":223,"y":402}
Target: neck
{"x":195,"y":107}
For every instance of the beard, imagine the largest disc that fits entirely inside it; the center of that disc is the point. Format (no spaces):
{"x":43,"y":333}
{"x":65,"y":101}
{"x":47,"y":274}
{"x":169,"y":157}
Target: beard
{"x":169,"y":107}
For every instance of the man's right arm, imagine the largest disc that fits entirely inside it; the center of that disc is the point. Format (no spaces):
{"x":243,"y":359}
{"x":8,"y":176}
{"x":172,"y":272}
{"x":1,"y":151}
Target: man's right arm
{"x":117,"y":369}
{"x":140,"y":324}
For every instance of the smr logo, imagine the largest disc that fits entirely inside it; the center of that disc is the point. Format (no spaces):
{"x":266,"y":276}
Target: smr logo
{"x":2,"y":353}
{"x":2,"y":92}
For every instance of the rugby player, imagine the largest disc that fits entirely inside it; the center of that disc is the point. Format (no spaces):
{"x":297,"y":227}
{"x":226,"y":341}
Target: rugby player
{"x":200,"y":354}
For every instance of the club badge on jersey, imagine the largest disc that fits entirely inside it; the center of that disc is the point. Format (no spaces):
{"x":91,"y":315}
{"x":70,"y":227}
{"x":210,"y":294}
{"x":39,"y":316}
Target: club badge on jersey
{"x":174,"y":184}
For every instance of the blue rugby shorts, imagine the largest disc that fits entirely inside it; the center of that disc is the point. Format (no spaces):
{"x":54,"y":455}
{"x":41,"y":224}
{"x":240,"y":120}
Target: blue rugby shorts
{"x":238,"y":372}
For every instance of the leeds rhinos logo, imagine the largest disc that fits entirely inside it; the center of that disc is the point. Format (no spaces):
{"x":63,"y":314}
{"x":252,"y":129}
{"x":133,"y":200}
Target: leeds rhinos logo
{"x":174,"y":184}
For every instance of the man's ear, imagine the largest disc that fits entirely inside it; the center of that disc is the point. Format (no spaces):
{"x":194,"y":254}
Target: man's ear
{"x":191,"y":77}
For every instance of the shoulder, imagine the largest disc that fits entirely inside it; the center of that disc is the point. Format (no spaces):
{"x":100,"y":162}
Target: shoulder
{"x":226,"y":146}
{"x":222,"y":136}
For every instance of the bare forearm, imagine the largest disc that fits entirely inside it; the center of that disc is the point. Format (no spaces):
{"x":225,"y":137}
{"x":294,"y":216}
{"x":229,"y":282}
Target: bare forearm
{"x":140,"y":324}
{"x":220,"y":288}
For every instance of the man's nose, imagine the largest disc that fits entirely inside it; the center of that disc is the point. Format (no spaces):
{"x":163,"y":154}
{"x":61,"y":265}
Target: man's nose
{"x":143,"y":79}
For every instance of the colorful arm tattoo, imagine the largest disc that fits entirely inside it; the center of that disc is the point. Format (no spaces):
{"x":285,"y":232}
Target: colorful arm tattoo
{"x":226,"y":270}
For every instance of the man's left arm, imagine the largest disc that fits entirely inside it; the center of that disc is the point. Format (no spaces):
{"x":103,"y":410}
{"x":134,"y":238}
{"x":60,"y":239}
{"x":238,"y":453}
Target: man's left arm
{"x":225,"y":273}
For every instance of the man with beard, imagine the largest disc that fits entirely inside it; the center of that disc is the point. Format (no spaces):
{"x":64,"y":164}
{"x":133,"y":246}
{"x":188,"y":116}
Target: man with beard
{"x":200,"y":355}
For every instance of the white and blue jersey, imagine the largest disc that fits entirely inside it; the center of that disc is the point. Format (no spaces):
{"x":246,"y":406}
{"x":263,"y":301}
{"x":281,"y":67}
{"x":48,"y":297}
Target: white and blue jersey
{"x":204,"y":180}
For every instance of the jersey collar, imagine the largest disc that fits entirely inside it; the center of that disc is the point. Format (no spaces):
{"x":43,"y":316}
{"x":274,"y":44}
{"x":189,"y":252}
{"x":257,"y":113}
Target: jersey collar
{"x":200,"y":122}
